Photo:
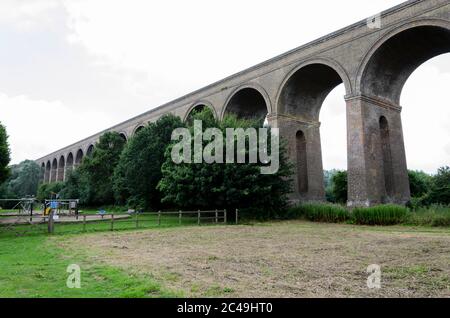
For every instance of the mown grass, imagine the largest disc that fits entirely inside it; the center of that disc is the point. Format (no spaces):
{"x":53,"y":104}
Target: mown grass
{"x":34,"y":266}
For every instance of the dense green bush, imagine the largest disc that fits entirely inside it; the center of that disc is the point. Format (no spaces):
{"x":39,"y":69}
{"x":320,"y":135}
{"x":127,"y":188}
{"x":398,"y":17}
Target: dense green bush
{"x":317,"y":212}
{"x":380,"y":215}
{"x":231,"y":185}
{"x":440,"y":188}
{"x":339,"y":187}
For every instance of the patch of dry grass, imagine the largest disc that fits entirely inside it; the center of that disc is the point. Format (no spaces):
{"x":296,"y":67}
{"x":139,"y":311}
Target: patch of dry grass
{"x":281,"y":259}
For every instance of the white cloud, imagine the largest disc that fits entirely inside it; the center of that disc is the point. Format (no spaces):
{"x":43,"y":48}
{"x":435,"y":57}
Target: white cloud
{"x":26,"y":14}
{"x":40,"y":126}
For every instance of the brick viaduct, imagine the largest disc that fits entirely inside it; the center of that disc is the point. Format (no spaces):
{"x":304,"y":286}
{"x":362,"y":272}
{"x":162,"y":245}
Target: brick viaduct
{"x":373,"y":62}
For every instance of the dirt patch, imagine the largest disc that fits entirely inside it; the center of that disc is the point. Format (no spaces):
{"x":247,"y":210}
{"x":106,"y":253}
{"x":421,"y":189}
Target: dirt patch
{"x":288,"y":259}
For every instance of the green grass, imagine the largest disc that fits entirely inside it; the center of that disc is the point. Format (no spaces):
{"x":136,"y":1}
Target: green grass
{"x":316,"y":212}
{"x":380,"y":215}
{"x":33,"y":266}
{"x":435,"y":215}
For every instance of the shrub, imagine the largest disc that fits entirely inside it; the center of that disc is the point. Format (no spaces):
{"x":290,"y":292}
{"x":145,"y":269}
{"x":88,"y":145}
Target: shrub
{"x":380,"y":215}
{"x":316,"y":212}
{"x":339,"y":186}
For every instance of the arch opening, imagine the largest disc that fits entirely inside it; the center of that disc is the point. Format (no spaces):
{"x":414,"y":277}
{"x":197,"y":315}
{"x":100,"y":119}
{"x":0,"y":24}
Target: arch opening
{"x":79,"y":158}
{"x":48,"y":169}
{"x":90,"y":151}
{"x":123,"y":136}
{"x":398,"y":57}
{"x":61,"y":168}
{"x":138,"y":129}
{"x":54,"y":172}
{"x":198,"y":109}
{"x":305,"y":91}
{"x":302,"y":97}
{"x":69,"y":164}
{"x":248,"y":103}
{"x":42,"y":175}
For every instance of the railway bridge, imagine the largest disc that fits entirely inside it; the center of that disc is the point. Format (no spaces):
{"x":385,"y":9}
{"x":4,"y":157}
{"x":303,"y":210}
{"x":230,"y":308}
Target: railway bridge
{"x":373,"y":58}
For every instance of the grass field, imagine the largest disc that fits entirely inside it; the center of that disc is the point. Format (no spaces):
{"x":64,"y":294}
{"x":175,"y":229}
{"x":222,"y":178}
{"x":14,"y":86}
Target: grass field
{"x":274,"y":259}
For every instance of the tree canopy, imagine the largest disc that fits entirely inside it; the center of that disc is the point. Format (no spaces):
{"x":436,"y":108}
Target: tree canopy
{"x":5,"y":156}
{"x":139,"y":169}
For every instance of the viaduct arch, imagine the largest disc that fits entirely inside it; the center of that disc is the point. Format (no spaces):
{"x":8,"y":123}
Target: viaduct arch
{"x":372,"y":62}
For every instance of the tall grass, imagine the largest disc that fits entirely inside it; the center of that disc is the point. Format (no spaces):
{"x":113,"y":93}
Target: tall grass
{"x":380,"y":215}
{"x":316,"y":212}
{"x":435,"y":215}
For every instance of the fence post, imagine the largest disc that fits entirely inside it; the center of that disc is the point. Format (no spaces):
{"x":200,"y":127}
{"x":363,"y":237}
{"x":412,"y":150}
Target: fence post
{"x":84,"y":223}
{"x":225,"y":216}
{"x":159,"y":218}
{"x":198,"y":217}
{"x":237,"y":216}
{"x":50,"y":223}
{"x":217,"y":216}
{"x":137,"y":219}
{"x":180,"y":214}
{"x":112,"y":222}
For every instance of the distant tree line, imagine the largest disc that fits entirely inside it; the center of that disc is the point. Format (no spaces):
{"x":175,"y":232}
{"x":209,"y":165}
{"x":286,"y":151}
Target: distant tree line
{"x":425,"y":189}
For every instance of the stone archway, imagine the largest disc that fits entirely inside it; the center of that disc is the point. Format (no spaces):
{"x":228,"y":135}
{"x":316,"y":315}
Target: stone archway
{"x":249,"y":103}
{"x":377,"y":165}
{"x":299,"y":103}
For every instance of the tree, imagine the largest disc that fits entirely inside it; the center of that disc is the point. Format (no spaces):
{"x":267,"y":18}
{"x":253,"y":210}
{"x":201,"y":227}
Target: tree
{"x":440,"y":189}
{"x":231,"y":186}
{"x":5,"y":157}
{"x":419,"y":183}
{"x":95,"y":174}
{"x":139,"y":169}
{"x":339,"y":189}
{"x":24,"y":179}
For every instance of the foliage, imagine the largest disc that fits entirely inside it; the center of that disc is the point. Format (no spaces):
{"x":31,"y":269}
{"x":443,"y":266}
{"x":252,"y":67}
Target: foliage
{"x":139,"y":170}
{"x":380,"y":215}
{"x":317,"y":212}
{"x":434,"y":215}
{"x":73,"y":184}
{"x":23,"y":181}
{"x":4,"y":155}
{"x":339,"y":187}
{"x":49,"y":190}
{"x":440,"y":188}
{"x":230,"y":186}
{"x":419,"y":183}
{"x":96,"y":173}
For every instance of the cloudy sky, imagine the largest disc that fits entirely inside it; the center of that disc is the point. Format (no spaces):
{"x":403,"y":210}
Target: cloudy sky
{"x":72,"y":68}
